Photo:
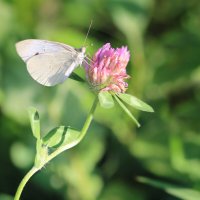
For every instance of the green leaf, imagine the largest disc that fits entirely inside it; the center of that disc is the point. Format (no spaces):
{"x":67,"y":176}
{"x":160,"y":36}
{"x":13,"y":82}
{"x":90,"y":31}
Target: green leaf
{"x":105,"y":99}
{"x":61,"y":136}
{"x":127,"y":111}
{"x":177,"y":191}
{"x":35,"y":122}
{"x":76,"y":77}
{"x":135,"y":102}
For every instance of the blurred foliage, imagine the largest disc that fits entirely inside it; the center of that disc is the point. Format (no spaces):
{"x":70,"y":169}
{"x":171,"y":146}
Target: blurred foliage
{"x":164,"y":40}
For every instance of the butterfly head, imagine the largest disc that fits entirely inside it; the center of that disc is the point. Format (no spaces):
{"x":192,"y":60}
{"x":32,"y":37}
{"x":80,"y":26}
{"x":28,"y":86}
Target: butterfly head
{"x":81,"y":54}
{"x":81,"y":50}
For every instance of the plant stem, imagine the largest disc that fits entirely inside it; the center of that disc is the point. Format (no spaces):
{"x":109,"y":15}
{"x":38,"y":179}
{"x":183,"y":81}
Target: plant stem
{"x":89,"y":119}
{"x":82,"y":134}
{"x":57,"y":152}
{"x":24,"y":181}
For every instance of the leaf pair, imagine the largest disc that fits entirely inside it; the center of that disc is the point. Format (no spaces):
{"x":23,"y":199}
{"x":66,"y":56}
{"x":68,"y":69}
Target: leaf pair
{"x":59,"y":138}
{"x":106,"y":101}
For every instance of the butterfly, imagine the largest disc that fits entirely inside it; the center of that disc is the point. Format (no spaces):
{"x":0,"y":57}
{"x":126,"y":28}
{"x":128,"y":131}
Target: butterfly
{"x":48,"y":62}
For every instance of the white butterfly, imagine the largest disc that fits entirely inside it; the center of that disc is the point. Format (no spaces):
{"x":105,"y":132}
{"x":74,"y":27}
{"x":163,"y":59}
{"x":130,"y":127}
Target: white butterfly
{"x":49,"y":63}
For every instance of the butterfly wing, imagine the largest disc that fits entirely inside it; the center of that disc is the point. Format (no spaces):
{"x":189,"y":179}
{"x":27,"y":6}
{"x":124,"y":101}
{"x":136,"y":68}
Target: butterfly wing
{"x":52,"y":68}
{"x":49,"y":63}
{"x":31,"y":47}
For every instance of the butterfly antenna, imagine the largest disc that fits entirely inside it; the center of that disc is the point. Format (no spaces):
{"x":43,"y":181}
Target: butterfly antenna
{"x":87,"y":32}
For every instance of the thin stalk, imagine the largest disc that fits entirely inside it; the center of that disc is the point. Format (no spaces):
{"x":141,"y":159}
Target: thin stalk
{"x":24,"y":181}
{"x":82,"y":134}
{"x":57,"y":152}
{"x":89,"y":119}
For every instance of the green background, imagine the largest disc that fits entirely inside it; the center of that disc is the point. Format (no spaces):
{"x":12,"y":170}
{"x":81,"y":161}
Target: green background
{"x":164,"y":40}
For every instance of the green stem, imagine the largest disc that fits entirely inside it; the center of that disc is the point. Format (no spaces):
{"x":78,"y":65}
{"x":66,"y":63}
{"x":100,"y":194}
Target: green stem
{"x":24,"y":181}
{"x":81,"y":136}
{"x":57,"y":152}
{"x":89,"y":119}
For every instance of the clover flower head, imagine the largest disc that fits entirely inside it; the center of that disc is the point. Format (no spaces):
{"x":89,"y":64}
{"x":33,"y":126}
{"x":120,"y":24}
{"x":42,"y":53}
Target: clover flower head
{"x":107,"y":69}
